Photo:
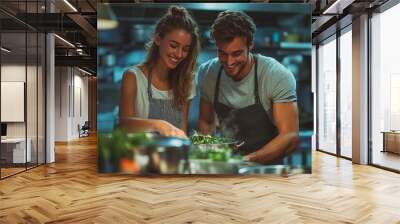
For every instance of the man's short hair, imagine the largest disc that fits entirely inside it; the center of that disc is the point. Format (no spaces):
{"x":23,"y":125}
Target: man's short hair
{"x":230,"y":24}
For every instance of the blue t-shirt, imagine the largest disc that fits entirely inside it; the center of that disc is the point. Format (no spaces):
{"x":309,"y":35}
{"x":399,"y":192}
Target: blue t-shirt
{"x":276,"y":84}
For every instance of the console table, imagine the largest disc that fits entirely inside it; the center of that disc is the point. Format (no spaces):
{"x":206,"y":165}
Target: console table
{"x":391,"y":141}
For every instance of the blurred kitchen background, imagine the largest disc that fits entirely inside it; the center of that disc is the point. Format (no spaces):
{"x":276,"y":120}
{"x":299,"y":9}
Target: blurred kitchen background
{"x":283,"y":32}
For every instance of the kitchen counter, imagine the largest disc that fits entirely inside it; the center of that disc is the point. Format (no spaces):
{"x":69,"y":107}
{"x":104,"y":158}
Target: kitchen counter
{"x":234,"y":167}
{"x":141,"y":154}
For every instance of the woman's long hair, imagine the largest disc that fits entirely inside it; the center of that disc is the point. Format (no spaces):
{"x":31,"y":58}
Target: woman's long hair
{"x":181,"y":77}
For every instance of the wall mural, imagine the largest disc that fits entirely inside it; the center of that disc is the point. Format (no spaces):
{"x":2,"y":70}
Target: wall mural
{"x":200,"y":88}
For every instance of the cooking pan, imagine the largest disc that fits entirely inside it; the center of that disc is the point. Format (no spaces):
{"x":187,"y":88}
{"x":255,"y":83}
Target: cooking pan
{"x":164,"y":155}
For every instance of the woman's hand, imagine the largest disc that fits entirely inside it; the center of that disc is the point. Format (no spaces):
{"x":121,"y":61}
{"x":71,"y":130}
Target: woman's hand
{"x":167,"y":129}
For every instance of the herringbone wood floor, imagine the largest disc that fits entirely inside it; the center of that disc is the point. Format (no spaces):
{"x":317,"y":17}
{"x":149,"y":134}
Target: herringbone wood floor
{"x":71,"y":191}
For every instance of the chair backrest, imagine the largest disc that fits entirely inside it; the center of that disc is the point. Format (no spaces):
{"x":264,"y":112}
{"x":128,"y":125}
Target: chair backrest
{"x":86,"y":125}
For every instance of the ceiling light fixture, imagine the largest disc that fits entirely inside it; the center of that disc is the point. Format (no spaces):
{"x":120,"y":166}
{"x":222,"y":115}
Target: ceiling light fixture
{"x":106,"y":18}
{"x":65,"y":41}
{"x":5,"y":49}
{"x":79,"y":51}
{"x":329,"y":9}
{"x":86,"y":72}
{"x":337,"y":7}
{"x":70,"y":5}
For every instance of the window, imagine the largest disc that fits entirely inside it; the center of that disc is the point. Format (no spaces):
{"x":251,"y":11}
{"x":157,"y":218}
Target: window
{"x":22,"y":68}
{"x":327,"y":96}
{"x":346,"y":93}
{"x":385,"y":86}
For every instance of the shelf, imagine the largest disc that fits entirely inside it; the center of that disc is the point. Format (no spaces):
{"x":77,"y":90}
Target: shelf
{"x":296,"y":45}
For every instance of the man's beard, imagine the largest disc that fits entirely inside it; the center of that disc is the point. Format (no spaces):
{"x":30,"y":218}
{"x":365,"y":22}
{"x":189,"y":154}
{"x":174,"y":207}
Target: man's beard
{"x":241,"y":67}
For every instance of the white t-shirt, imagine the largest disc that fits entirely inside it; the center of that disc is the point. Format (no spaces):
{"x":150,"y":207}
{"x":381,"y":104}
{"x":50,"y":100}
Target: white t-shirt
{"x":142,"y":98}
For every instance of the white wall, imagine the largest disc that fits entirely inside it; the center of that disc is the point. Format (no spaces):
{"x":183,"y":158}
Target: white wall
{"x":13,"y":72}
{"x":81,"y":96}
{"x":71,"y":93}
{"x":61,"y":103}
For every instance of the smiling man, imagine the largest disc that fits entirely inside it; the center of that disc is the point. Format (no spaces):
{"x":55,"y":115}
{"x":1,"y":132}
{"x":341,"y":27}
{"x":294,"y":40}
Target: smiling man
{"x":253,"y":96}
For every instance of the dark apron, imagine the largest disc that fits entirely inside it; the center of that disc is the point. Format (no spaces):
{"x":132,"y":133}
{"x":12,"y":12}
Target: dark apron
{"x":163,"y":109}
{"x":250,"y":124}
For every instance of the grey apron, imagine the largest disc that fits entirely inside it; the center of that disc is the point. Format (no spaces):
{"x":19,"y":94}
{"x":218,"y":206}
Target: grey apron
{"x":163,"y":109}
{"x":250,"y":124}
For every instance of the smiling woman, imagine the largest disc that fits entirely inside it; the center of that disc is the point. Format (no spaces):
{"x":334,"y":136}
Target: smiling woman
{"x":155,"y":94}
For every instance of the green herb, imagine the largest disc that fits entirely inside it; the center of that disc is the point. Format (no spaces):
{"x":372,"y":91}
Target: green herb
{"x":206,"y":139}
{"x":210,"y":147}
